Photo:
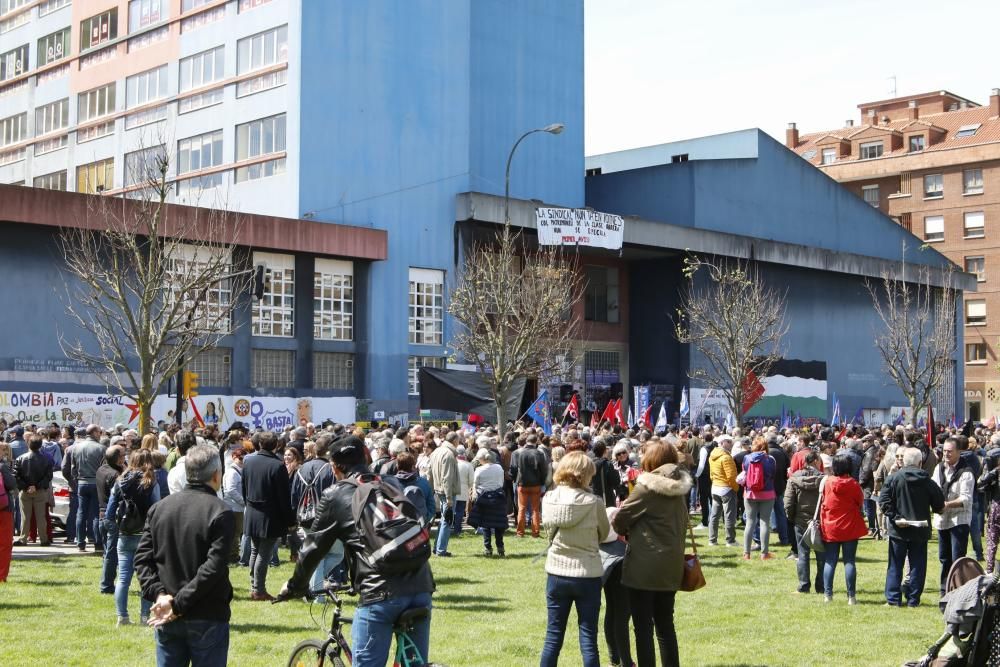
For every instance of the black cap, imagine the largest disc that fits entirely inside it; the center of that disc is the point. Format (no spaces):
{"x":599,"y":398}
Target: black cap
{"x":349,"y":449}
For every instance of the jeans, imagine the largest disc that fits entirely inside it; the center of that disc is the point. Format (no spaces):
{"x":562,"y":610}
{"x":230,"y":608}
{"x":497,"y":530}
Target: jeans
{"x":109,"y":536}
{"x":723,"y":505}
{"x":758,"y":512}
{"x":899,"y":552}
{"x":371,"y":633}
{"x":15,"y":501}
{"x":245,"y":549}
{"x":529,"y":496}
{"x":71,"y":517}
{"x":261,"y":549}
{"x":654,"y":609}
{"x":497,"y":534}
{"x":126,"y":566}
{"x":195,"y":642}
{"x":976,"y":527}
{"x":802,"y":565}
{"x":86,"y":515}
{"x":444,"y":528}
{"x":456,"y":525}
{"x":561,"y":593}
{"x":952,"y":545}
{"x":831,"y":555}
{"x":617,"y":612}
{"x":705,"y":496}
{"x":331,"y":560}
{"x":781,"y":521}
{"x":870,"y":504}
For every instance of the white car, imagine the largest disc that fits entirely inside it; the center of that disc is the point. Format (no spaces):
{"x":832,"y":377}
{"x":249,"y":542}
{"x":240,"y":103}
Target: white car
{"x":60,"y":491}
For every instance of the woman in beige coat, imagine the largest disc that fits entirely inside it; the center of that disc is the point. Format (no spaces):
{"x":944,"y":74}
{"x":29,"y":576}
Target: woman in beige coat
{"x":655,"y":519}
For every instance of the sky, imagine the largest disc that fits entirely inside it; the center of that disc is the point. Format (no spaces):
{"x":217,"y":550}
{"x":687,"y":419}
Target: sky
{"x":663,"y":70}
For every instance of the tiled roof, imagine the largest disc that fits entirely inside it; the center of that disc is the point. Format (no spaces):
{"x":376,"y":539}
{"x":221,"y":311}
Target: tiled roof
{"x":949,"y":122}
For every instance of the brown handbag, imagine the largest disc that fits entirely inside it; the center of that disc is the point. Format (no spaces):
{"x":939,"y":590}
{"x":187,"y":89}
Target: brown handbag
{"x":693,"y":577}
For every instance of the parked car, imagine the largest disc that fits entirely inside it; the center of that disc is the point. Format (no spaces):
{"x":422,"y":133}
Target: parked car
{"x":60,"y":491}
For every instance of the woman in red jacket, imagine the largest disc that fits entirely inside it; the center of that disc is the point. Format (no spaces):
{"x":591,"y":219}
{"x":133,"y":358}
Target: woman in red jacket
{"x":842,"y":525}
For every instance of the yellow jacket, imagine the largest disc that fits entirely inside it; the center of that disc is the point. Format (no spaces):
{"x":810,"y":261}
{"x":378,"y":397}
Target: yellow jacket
{"x":722,"y":469}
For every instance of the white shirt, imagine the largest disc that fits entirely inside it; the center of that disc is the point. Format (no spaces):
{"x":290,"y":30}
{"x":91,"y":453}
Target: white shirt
{"x":465,"y":473}
{"x":177,"y":477}
{"x":488,"y":477}
{"x":961,"y":488}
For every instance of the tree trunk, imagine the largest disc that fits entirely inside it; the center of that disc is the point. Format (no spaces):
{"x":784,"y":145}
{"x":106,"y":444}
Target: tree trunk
{"x":498,"y":399}
{"x":145,"y":408}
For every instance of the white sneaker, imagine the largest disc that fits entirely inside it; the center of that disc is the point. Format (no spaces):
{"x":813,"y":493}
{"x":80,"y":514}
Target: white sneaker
{"x":851,"y":601}
{"x":701,"y":527}
{"x":123,"y":620}
{"x":827,"y":598}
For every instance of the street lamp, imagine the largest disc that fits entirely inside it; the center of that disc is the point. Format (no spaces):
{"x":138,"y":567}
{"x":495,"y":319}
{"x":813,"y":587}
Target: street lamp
{"x":554,"y":128}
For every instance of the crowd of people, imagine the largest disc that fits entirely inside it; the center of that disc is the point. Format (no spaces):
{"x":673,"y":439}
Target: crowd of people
{"x":178,"y":507}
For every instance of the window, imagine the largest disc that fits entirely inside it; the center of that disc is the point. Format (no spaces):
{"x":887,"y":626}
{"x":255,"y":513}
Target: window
{"x":188,"y":5}
{"x":257,"y":138}
{"x":98,"y":29}
{"x":333,"y":370}
{"x":975,"y":312}
{"x":870,"y":193}
{"x":809,"y":154}
{"x":143,"y":166}
{"x":972,"y":181}
{"x":49,"y":6}
{"x":96,"y":176}
{"x":202,"y":19}
{"x":333,"y":300}
{"x":426,"y":321}
{"x":681,"y":157}
{"x":601,"y":294}
{"x":7,"y":6}
{"x":246,"y":5}
{"x":15,"y":21}
{"x":14,"y":129}
{"x":976,"y":265}
{"x":14,"y":63}
{"x":184,"y":263}
{"x":147,"y":38}
{"x":871,"y":150}
{"x":601,"y":370}
{"x":975,"y":353}
{"x":829,"y":156}
{"x":414,"y":364}
{"x":934,"y":228}
{"x":196,"y":153}
{"x":933,"y":185}
{"x":53,"y":47}
{"x":202,"y":68}
{"x":975,"y":225}
{"x":916,"y":143}
{"x":146,"y":87}
{"x":144,"y":13}
{"x":967,"y":130}
{"x":258,"y":52}
{"x":273,"y":368}
{"x":274,"y":313}
{"x":213,"y":366}
{"x":51,"y":118}
{"x":96,"y":103}
{"x":53,"y":181}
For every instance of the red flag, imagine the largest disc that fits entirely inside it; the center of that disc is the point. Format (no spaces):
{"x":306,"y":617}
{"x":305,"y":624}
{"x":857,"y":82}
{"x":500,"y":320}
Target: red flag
{"x":930,"y":426}
{"x":609,"y":412}
{"x":572,"y":409}
{"x":594,"y":421}
{"x":646,"y":414}
{"x":618,"y":417}
{"x":753,"y":390}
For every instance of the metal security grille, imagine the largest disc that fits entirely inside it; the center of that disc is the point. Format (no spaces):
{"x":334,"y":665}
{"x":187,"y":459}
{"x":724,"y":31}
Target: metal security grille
{"x":214,"y":367}
{"x":597,"y":360}
{"x":273,"y":368}
{"x":333,"y":370}
{"x":600,"y":372}
{"x":414,"y":363}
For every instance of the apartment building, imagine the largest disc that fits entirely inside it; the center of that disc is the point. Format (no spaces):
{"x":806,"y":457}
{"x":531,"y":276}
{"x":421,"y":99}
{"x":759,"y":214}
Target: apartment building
{"x":932,"y":162}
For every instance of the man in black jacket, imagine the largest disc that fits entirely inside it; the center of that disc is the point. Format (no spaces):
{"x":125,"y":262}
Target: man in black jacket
{"x":907,"y":500}
{"x":269,"y":513}
{"x":530,"y":469}
{"x":33,"y":472}
{"x":382,"y":597}
{"x":606,"y":480}
{"x":107,"y":474}
{"x":182,"y":561}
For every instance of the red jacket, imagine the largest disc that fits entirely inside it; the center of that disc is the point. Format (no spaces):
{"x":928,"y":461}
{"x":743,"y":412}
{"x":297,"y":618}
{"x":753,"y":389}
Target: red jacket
{"x":799,"y":462}
{"x":841,"y":519}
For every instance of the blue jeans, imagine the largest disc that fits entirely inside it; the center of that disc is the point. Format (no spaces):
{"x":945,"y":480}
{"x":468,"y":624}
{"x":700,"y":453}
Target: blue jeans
{"x":976,"y":528}
{"x":86,"y":515}
{"x":261,"y":551}
{"x":109,"y":537}
{"x":444,"y":528}
{"x":802,"y":565}
{"x":781,"y":521}
{"x":245,"y":550}
{"x":371,"y":633}
{"x":953,"y":543}
{"x":71,"y":517}
{"x":899,"y":552}
{"x":459,"y":517}
{"x":870,"y":514}
{"x":831,"y":555}
{"x":126,"y":566}
{"x":332,"y":559}
{"x":195,"y":642}
{"x":560,"y":594}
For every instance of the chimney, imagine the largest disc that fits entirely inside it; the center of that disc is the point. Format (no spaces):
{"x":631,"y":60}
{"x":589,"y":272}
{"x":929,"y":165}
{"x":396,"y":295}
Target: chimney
{"x":995,"y":102}
{"x":913,"y":110}
{"x":871,"y":117}
{"x":849,"y":123}
{"x":792,"y":136}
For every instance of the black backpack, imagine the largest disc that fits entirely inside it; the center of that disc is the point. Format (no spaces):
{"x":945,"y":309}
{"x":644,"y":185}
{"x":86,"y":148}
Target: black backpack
{"x":130,"y":515}
{"x":390,"y":526}
{"x":305,"y":513}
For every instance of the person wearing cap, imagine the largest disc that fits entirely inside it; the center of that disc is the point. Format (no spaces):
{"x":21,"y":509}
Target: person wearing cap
{"x":382,"y":597}
{"x":722,"y":471}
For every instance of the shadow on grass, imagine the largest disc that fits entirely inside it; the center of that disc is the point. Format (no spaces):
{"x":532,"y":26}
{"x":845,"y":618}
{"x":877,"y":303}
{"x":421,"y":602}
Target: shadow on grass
{"x":21,"y":605}
{"x":462,"y":602}
{"x":720,"y":563}
{"x":273,"y":628}
{"x":446,"y":581}
{"x":49,"y":583}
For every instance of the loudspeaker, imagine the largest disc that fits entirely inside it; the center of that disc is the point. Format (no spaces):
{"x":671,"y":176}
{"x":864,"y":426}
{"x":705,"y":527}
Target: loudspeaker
{"x":617,"y":390}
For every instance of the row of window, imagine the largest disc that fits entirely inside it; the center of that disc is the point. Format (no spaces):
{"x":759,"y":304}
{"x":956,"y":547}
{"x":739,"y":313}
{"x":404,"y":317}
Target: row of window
{"x":974,"y":226}
{"x":871,"y":150}
{"x":975,"y":353}
{"x":275,"y":369}
{"x":972,"y":184}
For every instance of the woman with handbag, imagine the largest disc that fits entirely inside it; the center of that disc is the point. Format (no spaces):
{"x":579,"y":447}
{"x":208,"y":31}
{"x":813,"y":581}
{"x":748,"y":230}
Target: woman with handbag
{"x":489,"y":504}
{"x":655,"y":520}
{"x":842,"y":524}
{"x":802,"y":507}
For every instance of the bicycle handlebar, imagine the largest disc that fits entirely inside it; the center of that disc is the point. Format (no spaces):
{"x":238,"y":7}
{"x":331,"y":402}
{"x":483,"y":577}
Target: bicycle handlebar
{"x":329,"y":589}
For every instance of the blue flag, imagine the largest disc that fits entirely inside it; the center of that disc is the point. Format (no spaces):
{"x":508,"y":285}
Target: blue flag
{"x":540,"y":412}
{"x":685,"y":408}
{"x":859,"y":417}
{"x":835,"y":417}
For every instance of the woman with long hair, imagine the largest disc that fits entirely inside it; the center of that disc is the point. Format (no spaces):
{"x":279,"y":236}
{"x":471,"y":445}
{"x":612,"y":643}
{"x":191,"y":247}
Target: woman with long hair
{"x":150,"y":442}
{"x":842,"y":524}
{"x":133,"y":494}
{"x":757,"y":480}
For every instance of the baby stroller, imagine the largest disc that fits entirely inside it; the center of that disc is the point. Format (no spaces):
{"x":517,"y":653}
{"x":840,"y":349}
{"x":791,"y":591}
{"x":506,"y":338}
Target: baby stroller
{"x":971,"y":607}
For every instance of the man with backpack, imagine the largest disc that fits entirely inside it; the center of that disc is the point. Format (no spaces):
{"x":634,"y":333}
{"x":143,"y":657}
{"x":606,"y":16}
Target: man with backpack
{"x":308,"y":485}
{"x":389,"y":579}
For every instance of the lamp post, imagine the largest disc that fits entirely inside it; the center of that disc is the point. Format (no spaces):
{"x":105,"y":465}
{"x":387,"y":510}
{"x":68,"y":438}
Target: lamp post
{"x":554,"y":128}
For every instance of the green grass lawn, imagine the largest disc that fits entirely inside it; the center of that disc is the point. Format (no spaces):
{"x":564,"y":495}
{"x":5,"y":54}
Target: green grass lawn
{"x":492,"y":613}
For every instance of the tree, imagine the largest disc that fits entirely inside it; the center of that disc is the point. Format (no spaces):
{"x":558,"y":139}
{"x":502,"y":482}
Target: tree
{"x":916,"y":333}
{"x":734,"y":321}
{"x":148,"y":286}
{"x":514,"y":309}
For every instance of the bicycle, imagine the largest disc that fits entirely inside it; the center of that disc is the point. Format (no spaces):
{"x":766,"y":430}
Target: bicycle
{"x":333,"y":651}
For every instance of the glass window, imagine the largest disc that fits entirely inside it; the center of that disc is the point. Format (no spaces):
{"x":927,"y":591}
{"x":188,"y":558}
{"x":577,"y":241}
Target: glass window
{"x":214,"y":367}
{"x":976,"y":265}
{"x":870,"y":193}
{"x":258,"y":52}
{"x":53,"y":47}
{"x":967,"y":130}
{"x":916,"y":143}
{"x":7,"y":6}
{"x":14,"y":63}
{"x":975,"y":225}
{"x":273,"y":368}
{"x":148,"y":38}
{"x":274,"y":313}
{"x":413,"y":365}
{"x":601,"y":294}
{"x":146,"y":87}
{"x":333,"y":300}
{"x":96,"y":103}
{"x":202,"y":68}
{"x":53,"y":181}
{"x":193,"y":154}
{"x":13,"y":129}
{"x":426,"y":321}
{"x":972,"y":181}
{"x":212,"y":309}
{"x":144,"y":166}
{"x":51,"y":118}
{"x":202,"y":19}
{"x":144,"y":13}
{"x":246,"y":5}
{"x":99,"y":29}
{"x":975,"y":311}
{"x":871,"y":150}
{"x":14,"y":21}
{"x":829,"y":155}
{"x":49,"y":6}
{"x":188,"y":5}
{"x":975,"y":353}
{"x":95,"y":177}
{"x":333,"y":370}
{"x":933,"y":185}
{"x":257,"y":138}
{"x":934,"y":228}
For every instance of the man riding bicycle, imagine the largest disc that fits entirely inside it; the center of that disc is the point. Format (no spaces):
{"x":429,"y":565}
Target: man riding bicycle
{"x":382,"y":598}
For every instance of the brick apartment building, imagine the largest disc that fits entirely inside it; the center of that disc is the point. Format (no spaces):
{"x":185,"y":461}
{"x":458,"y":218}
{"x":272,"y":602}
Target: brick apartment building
{"x":932,"y":162}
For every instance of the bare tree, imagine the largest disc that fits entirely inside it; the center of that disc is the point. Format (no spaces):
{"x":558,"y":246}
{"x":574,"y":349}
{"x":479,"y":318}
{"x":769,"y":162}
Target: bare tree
{"x":916,"y":333}
{"x":515,"y":311}
{"x":734,"y":321}
{"x":149,"y":286}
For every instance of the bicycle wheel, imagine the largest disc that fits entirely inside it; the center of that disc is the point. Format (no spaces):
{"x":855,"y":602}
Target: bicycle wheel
{"x":309,"y":653}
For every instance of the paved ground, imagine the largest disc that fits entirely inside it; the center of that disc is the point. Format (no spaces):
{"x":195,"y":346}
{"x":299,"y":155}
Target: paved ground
{"x":58,"y":549}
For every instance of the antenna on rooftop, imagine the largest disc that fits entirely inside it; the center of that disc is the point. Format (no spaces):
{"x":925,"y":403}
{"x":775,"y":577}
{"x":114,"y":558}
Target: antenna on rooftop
{"x":892,"y":86}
